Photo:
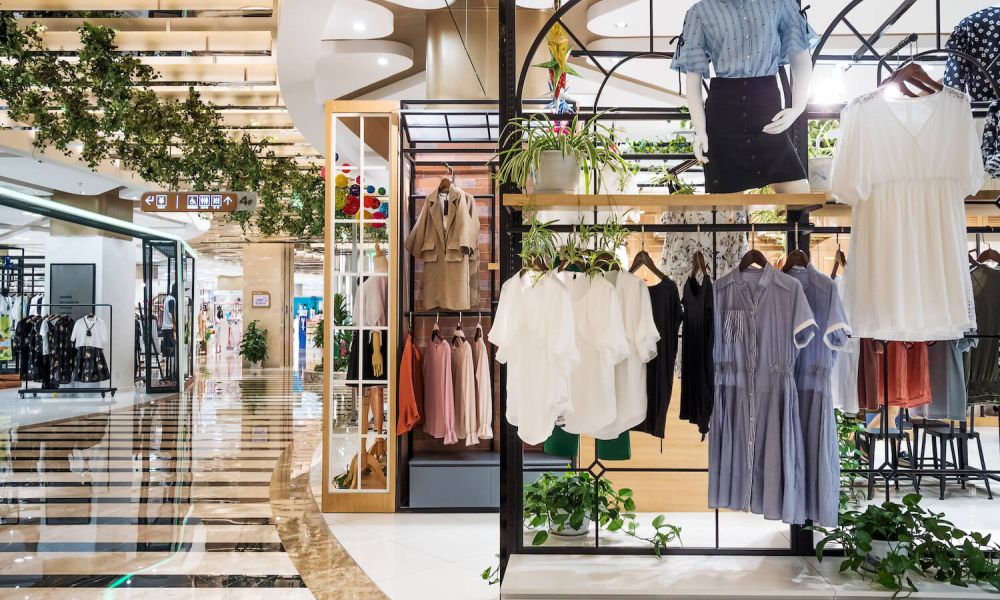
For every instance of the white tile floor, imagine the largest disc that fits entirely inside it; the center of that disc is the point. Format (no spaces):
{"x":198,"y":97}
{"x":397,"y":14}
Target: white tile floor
{"x":19,"y":412}
{"x":419,"y":556}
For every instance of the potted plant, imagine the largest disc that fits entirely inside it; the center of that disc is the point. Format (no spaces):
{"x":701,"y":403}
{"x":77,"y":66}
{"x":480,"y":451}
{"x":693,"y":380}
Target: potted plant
{"x":552,"y":153}
{"x":253,"y":346}
{"x":822,"y":142}
{"x":567,"y":505}
{"x":893,"y":543}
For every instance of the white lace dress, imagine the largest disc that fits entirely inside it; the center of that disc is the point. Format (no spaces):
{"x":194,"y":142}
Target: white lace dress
{"x":905,"y":166}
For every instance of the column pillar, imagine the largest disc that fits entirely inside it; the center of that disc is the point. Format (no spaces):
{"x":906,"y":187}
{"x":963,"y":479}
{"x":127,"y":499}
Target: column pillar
{"x":268,"y":268}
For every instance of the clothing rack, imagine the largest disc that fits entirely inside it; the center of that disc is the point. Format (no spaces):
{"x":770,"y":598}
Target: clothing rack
{"x":443,"y":139}
{"x":798,"y":230}
{"x":103,"y":391}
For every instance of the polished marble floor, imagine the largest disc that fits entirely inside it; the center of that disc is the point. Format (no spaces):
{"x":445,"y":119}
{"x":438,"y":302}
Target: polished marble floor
{"x":201,"y":495}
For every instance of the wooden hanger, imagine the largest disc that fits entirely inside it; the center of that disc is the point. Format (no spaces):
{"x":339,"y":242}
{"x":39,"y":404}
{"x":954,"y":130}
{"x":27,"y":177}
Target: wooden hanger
{"x":458,"y":333}
{"x":754,"y":256}
{"x":436,"y":332}
{"x":795,"y":258}
{"x":839,"y":260}
{"x":913,"y":74}
{"x":445,"y":185}
{"x":643,"y":259}
{"x":989,"y":255}
{"x":698,"y":259}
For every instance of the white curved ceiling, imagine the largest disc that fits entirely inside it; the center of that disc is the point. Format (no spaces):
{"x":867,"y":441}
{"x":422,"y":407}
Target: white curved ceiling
{"x":357,"y":20}
{"x":326,"y":50}
{"x":366,"y":61}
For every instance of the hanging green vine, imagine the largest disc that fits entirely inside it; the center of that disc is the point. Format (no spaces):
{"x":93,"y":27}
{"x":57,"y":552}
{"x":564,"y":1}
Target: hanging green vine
{"x":102,"y":107}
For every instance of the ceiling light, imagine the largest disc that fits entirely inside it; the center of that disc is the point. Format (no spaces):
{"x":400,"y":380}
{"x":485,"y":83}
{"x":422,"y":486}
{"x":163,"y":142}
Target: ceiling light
{"x":382,"y":61}
{"x":359,"y":26}
{"x":621,"y":24}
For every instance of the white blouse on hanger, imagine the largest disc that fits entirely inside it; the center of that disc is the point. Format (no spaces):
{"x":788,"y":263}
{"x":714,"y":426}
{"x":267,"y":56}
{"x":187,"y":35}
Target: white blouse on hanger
{"x":601,"y":342}
{"x":534,"y":335}
{"x":905,"y":166}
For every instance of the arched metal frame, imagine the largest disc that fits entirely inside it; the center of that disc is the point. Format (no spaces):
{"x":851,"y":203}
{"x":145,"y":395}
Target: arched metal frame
{"x":512,"y":463}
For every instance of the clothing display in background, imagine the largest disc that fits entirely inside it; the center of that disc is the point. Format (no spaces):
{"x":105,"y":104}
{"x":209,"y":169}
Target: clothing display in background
{"x":697,"y":352}
{"x":909,"y":375}
{"x":7,"y":324}
{"x":463,"y":385}
{"x":755,"y":451}
{"x":90,"y":336}
{"x":680,"y":247}
{"x":991,"y":140}
{"x":641,"y":335}
{"x":601,"y":343}
{"x":439,"y":396}
{"x":484,"y":386}
{"x":946,"y":363}
{"x":844,"y":375}
{"x":447,"y":243}
{"x":905,"y":166}
{"x":983,"y":361}
{"x":665,"y":303}
{"x":60,"y":348}
{"x":367,"y":346}
{"x":812,"y":380}
{"x":978,"y":35}
{"x":533,"y":330}
{"x":411,"y":388}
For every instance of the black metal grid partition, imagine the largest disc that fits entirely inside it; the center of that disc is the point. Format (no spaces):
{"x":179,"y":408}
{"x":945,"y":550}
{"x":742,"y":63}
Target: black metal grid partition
{"x":797,"y":225}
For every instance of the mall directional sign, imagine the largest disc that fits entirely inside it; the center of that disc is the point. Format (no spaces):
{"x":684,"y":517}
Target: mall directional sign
{"x":198,"y":201}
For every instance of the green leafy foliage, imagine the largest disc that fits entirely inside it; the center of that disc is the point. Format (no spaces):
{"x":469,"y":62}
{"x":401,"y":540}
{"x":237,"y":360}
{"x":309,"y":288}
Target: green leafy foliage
{"x":101,"y":107}
{"x":850,"y":457}
{"x":557,"y":503}
{"x":822,"y":138}
{"x":921,"y":543}
{"x":590,"y":141}
{"x":253,"y":346}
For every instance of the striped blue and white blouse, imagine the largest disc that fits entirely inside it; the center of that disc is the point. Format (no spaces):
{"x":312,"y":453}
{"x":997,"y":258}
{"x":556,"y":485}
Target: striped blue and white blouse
{"x":741,"y":38}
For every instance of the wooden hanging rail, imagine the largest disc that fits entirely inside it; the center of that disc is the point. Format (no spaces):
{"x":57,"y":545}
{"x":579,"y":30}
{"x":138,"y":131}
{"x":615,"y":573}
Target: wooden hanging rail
{"x":663,"y":201}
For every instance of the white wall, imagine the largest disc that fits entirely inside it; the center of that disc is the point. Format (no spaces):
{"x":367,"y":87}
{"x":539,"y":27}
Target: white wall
{"x":116,"y":284}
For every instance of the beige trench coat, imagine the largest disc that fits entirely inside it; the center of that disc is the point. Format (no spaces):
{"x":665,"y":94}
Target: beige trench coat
{"x":449,"y":248}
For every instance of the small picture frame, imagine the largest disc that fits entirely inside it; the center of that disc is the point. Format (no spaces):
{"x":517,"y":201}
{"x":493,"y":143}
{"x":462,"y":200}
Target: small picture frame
{"x":261,"y":299}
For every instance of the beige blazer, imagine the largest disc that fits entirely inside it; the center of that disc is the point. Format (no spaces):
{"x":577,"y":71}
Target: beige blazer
{"x":448,"y":246}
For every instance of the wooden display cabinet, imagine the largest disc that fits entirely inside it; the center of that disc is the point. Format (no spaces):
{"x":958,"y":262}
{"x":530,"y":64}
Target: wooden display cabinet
{"x":361,"y":262}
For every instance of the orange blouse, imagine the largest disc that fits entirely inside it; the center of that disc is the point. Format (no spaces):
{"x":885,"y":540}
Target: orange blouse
{"x":909,"y":375}
{"x":411,"y":389}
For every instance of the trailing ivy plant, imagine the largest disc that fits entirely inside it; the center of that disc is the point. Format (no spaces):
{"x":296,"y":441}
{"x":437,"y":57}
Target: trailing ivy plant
{"x":102,"y":107}
{"x":850,"y":458}
{"x":556,"y":503}
{"x":919,"y":544}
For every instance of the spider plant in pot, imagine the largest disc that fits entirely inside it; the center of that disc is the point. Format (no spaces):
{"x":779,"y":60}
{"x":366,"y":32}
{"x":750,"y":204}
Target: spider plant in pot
{"x":552,"y":153}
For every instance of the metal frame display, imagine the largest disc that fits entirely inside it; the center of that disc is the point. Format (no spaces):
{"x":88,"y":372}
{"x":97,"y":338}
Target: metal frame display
{"x":797,"y":228}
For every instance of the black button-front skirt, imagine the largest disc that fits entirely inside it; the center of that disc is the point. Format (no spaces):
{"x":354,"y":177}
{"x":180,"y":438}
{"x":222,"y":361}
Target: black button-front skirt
{"x":741,"y":156}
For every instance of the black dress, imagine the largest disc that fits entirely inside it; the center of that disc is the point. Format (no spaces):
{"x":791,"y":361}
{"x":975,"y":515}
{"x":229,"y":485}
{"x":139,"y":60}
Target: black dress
{"x":740,"y":155}
{"x":697,"y":363}
{"x":666,"y":303}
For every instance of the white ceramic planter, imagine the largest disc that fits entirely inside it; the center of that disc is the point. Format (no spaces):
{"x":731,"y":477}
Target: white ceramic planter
{"x":820,"y":170}
{"x":881,"y":549}
{"x":557,"y":174}
{"x":611,"y":183}
{"x":569,"y":531}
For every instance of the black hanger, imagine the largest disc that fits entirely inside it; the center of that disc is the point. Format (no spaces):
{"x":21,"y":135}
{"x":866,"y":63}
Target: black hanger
{"x":479,"y":329}
{"x":754,"y":256}
{"x":643,"y":259}
{"x":436,"y":332}
{"x":458,"y":334}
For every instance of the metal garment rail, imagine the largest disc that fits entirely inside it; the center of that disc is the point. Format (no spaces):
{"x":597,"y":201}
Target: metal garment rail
{"x":413,"y":157}
{"x":513,"y":76}
{"x":103,"y":391}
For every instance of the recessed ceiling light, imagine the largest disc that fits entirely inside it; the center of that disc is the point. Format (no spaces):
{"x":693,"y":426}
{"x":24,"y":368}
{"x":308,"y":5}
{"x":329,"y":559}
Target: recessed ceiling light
{"x":382,"y":61}
{"x":621,"y":24}
{"x":359,"y":26}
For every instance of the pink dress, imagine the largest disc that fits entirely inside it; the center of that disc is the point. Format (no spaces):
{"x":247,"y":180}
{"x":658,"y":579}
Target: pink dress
{"x":439,"y":397}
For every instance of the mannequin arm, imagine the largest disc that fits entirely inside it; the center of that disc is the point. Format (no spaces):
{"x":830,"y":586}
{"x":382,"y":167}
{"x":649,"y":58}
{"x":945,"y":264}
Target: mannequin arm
{"x":696,"y":104}
{"x":801,"y":66}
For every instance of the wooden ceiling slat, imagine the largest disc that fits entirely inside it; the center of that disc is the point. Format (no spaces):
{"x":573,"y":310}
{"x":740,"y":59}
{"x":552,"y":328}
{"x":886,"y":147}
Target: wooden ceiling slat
{"x":194,"y":41}
{"x":134,"y":4}
{"x":137,"y":24}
